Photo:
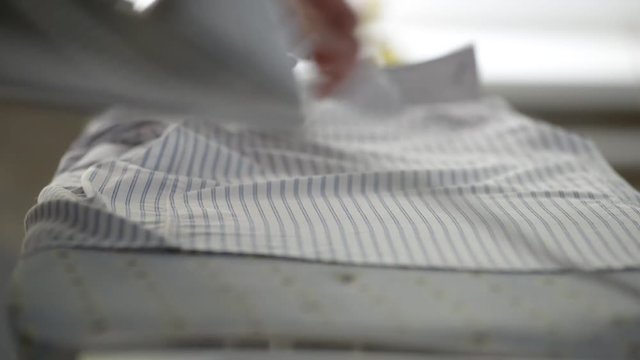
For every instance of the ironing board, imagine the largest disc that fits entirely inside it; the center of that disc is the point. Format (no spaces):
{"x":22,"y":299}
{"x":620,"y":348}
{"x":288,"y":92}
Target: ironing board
{"x":66,"y":301}
{"x":69,"y":300}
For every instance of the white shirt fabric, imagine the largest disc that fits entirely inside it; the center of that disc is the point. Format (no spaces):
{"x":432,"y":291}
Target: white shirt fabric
{"x":378,"y":177}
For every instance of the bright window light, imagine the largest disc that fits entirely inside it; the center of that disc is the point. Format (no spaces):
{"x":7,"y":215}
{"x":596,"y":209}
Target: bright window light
{"x":141,"y":5}
{"x":522,"y":43}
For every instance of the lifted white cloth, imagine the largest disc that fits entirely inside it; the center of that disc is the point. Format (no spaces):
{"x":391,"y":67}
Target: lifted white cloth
{"x":370,"y":179}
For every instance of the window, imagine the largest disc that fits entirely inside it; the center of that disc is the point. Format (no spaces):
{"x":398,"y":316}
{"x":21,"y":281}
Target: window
{"x":549,"y":54}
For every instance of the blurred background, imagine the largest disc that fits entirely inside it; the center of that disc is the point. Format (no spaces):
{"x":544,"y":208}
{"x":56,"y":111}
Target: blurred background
{"x":575,"y":63}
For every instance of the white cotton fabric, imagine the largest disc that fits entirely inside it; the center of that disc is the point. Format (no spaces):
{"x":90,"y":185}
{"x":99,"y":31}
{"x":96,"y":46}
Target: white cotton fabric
{"x":368,"y":179}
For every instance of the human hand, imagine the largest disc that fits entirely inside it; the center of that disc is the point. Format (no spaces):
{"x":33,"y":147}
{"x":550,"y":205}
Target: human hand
{"x":331,"y":25}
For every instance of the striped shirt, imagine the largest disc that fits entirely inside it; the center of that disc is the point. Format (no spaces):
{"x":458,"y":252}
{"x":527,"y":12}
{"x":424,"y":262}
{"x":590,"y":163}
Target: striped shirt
{"x":454,"y":185}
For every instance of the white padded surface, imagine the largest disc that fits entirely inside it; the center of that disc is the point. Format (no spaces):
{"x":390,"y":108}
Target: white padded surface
{"x":85,"y":299}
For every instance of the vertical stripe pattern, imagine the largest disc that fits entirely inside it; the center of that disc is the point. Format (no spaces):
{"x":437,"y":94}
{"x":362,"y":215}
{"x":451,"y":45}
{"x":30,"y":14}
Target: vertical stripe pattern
{"x":469,"y":185}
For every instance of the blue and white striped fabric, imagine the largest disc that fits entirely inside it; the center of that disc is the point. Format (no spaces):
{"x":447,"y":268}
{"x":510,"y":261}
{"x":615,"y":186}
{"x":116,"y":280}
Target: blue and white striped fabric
{"x":461,"y":185}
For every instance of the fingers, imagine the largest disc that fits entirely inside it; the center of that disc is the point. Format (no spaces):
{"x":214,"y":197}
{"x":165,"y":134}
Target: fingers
{"x":332,"y":25}
{"x":336,"y":13}
{"x":335,"y":59}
